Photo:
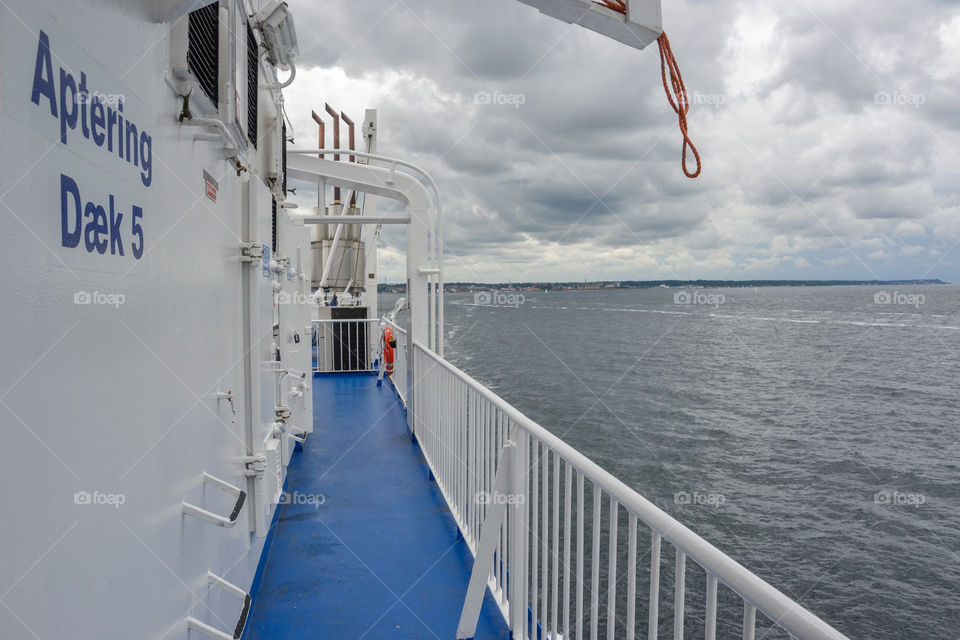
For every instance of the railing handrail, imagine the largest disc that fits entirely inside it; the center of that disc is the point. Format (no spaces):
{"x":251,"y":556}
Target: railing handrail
{"x":343,"y":345}
{"x":396,"y":327}
{"x":774,"y":604}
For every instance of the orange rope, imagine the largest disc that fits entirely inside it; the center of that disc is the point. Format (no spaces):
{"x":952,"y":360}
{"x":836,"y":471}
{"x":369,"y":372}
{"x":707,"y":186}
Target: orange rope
{"x":616,"y":5}
{"x":681,"y":105}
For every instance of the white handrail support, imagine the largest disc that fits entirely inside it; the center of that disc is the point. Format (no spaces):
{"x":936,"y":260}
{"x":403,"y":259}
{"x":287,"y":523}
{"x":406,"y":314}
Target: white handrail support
{"x":504,"y":493}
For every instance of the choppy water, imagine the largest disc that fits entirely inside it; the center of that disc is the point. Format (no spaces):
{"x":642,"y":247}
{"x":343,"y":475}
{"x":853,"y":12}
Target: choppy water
{"x":824,"y":424}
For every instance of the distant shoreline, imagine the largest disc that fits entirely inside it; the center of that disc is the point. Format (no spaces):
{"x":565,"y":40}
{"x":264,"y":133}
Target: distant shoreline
{"x":454,"y":287}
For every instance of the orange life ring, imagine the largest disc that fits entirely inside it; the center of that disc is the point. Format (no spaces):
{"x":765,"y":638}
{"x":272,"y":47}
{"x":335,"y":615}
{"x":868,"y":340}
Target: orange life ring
{"x":389,"y":344}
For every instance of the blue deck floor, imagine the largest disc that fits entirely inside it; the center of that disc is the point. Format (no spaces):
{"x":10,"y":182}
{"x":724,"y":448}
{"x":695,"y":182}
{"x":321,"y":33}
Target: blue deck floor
{"x":380,"y":557}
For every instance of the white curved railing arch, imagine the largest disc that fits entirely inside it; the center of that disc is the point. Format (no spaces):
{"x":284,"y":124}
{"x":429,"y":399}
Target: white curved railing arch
{"x":433,"y":224}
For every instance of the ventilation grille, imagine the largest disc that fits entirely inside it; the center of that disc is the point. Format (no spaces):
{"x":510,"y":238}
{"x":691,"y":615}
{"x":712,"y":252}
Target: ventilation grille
{"x":253,"y":77}
{"x":283,"y":156}
{"x":203,"y":49}
{"x":273,"y":244}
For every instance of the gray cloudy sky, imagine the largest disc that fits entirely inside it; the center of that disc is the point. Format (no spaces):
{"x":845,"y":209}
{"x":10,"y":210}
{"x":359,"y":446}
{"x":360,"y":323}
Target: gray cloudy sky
{"x":829,"y":129}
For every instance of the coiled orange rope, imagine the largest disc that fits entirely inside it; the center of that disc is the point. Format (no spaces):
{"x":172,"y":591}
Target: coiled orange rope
{"x":681,"y":105}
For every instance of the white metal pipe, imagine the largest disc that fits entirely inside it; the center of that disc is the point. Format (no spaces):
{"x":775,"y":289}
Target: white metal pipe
{"x":567,"y":539}
{"x":229,"y":587}
{"x":225,"y":133}
{"x":595,"y":565}
{"x":612,"y":571}
{"x":440,"y":329}
{"x":394,"y":162}
{"x":653,"y":623}
{"x":503,"y":534}
{"x":545,"y":540}
{"x":431,"y":281}
{"x":356,"y":219}
{"x":522,"y":604}
{"x":710,"y":633}
{"x":679,"y":594}
{"x":749,"y":621}
{"x":333,"y":252}
{"x":555,"y":579}
{"x":580,"y":562}
{"x":534,"y":492}
{"x":211,"y":632}
{"x":631,"y":578}
{"x":286,"y":83}
{"x":432,"y":307}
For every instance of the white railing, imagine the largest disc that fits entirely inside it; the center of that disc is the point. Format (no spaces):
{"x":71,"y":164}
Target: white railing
{"x":573,"y":533}
{"x":399,"y":378}
{"x":345,"y":345}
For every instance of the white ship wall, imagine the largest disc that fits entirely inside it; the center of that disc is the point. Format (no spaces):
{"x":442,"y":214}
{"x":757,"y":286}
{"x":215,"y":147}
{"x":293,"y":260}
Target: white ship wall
{"x":108,"y":396}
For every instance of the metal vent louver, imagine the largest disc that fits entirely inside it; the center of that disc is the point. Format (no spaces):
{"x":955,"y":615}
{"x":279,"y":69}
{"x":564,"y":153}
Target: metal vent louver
{"x":283,"y":157}
{"x":252,"y":86}
{"x":273,"y":241}
{"x":203,"y":46}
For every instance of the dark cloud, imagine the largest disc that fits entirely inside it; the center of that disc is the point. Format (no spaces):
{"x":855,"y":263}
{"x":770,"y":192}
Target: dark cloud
{"x":825,"y":126}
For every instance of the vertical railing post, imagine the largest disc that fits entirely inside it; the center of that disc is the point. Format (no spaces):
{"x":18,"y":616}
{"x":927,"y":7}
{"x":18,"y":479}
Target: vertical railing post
{"x":679,"y":594}
{"x":710,"y":632}
{"x":418,"y":328}
{"x":632,"y":577}
{"x":749,"y":621}
{"x":517,"y":571}
{"x":653,"y":623}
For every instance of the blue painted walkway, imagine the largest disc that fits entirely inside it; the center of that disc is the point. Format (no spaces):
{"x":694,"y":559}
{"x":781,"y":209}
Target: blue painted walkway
{"x":380,"y":557}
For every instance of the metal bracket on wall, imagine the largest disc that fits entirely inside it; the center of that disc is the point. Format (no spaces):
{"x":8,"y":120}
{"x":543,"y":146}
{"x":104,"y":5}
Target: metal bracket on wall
{"x":212,"y":632}
{"x":254,"y":466}
{"x":209,"y":516}
{"x":251,"y":252}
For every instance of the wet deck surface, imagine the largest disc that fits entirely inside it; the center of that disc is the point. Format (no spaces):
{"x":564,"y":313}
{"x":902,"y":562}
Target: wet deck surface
{"x":379,"y":558}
